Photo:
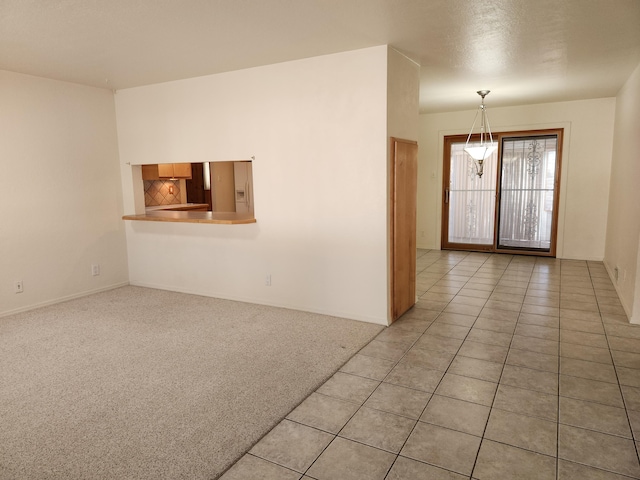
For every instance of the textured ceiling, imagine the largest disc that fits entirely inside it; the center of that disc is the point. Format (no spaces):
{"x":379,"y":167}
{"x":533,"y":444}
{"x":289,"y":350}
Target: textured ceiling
{"x":524,"y":51}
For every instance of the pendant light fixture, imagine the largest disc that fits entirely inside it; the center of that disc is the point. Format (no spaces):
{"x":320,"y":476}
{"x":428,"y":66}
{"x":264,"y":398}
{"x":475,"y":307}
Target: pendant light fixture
{"x":487,"y":147}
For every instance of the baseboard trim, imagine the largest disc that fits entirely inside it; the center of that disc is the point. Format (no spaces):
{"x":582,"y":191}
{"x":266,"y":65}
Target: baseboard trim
{"x":626,"y":308}
{"x":347,"y":315}
{"x":61,"y":299}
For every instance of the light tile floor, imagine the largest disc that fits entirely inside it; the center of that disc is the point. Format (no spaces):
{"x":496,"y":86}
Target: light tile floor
{"x":508,"y":367}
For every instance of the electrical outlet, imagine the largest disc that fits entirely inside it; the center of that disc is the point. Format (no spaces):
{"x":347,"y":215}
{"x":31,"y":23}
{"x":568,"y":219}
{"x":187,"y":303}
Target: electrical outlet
{"x":267,"y":280}
{"x":18,"y":287}
{"x":95,"y":269}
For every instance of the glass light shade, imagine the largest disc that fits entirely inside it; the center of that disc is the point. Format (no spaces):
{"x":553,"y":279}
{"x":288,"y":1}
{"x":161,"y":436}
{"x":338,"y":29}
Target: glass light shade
{"x":481,"y":153}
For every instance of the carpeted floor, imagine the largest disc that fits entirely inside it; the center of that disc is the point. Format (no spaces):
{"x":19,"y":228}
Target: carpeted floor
{"x":137,"y":383}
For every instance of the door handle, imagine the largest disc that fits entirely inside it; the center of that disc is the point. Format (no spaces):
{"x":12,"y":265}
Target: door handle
{"x":446,"y":195}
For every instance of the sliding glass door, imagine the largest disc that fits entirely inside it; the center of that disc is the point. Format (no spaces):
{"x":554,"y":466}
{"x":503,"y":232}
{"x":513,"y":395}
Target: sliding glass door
{"x":512,"y":207}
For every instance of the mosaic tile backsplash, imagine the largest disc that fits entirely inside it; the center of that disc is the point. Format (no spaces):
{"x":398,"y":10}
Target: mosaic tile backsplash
{"x":156,"y":192}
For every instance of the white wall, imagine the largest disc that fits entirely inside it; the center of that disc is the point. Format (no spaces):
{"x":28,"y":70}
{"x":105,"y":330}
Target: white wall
{"x":623,"y":229}
{"x":586,"y":167}
{"x":62,"y":197}
{"x":318,"y":130}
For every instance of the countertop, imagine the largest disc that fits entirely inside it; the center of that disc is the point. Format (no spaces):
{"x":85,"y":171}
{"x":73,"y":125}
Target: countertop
{"x":228,"y":218}
{"x":178,"y":207}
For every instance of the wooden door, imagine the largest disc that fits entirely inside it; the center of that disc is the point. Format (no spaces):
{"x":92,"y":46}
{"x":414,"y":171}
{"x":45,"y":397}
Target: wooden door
{"x":404,"y":184}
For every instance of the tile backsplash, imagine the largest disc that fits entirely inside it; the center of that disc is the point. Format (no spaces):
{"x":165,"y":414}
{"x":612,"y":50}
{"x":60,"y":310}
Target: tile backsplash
{"x":156,"y":192}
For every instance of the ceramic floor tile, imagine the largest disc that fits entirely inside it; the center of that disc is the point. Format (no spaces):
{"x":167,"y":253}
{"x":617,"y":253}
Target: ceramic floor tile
{"x":348,"y":387}
{"x":535,"y":292}
{"x":584,"y":338}
{"x":537,"y":331}
{"x":501,"y":305}
{"x":462,"y":309}
{"x":348,"y":460}
{"x":521,"y":377}
{"x":495,"y":325}
{"x":625,"y":344}
{"x":448,"y":330}
{"x":370,"y":367}
{"x":433,"y":359}
{"x":626,"y":359}
{"x":575,"y":471}
{"x":415,"y":324}
{"x":475,"y":368}
{"x":387,"y":350}
{"x":544,"y":301}
{"x":631,"y":397}
{"x":532,"y":344}
{"x":497,"y":314}
{"x":628,"y":376}
{"x":445,"y":289}
{"x":522,"y":431}
{"x":580,"y":315}
{"x":598,"y":450}
{"x":581,"y":326}
{"x":467,"y":389}
{"x":448,"y":449}
{"x":507,"y":297}
{"x":613,"y":309}
{"x":408,"y":375}
{"x":537,"y":361}
{"x":527,"y":402}
{"x":250,"y":466}
{"x":419,"y":314}
{"x":437,"y":297}
{"x":590,"y":390}
{"x":540,"y":320}
{"x":583,"y":352}
{"x":382,"y":430}
{"x":456,"y":415}
{"x":625,"y":331}
{"x":591,"y":370}
{"x":399,"y":400}
{"x":430,"y":305}
{"x":470,"y":292}
{"x":594,"y":416}
{"x":490,"y":338}
{"x":408,"y":469}
{"x":292,"y":445}
{"x":634,"y":420}
{"x":541,"y":310}
{"x":499,"y":461}
{"x":481,"y":351}
{"x":324,"y":413}
{"x":456,"y":319}
{"x":465,"y":300}
{"x":397,"y":334}
{"x":440,"y":344}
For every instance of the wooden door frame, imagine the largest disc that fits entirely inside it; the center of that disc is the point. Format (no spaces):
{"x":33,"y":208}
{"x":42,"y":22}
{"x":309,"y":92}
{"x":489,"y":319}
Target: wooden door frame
{"x":499,"y":137}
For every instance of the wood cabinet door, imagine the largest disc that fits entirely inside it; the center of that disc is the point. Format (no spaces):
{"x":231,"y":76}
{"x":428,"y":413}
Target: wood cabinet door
{"x":404,"y":184}
{"x":165,"y":170}
{"x":150,"y":172}
{"x":182,"y":170}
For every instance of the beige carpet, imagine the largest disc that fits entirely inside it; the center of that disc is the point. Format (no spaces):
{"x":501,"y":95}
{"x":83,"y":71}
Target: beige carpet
{"x":137,"y":383}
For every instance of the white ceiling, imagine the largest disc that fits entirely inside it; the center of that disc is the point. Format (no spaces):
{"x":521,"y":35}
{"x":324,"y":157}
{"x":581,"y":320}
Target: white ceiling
{"x":524,"y":51}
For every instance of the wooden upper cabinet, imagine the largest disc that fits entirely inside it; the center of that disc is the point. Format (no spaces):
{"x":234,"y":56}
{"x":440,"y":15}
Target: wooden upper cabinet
{"x":181,"y":170}
{"x":166,"y":170}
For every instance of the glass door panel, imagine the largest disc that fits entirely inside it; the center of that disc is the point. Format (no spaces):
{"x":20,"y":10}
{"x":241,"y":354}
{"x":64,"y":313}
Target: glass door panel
{"x":527,"y":198}
{"x":470,"y":200}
